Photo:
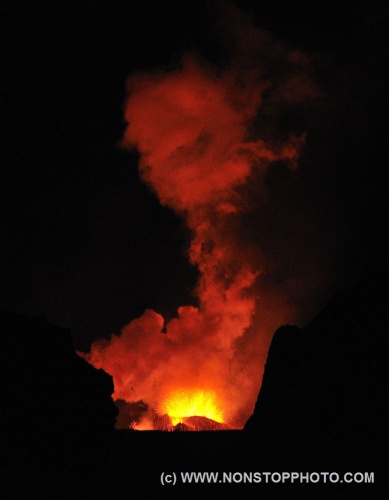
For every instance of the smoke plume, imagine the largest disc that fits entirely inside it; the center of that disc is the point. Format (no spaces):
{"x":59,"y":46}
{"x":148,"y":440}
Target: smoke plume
{"x":207,"y":137}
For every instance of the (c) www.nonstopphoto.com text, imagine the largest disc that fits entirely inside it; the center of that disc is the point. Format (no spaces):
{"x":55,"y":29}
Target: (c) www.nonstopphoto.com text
{"x":173,"y":478}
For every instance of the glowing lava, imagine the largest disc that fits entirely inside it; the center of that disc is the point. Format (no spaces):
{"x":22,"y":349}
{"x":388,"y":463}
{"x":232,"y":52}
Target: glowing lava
{"x":181,"y":404}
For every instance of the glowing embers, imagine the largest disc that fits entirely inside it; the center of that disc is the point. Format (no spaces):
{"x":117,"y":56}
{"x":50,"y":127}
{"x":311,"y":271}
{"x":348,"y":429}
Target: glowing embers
{"x":181,"y":404}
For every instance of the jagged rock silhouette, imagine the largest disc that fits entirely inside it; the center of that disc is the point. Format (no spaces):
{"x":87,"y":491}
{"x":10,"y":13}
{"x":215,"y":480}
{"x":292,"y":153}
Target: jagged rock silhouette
{"x":321,"y":407}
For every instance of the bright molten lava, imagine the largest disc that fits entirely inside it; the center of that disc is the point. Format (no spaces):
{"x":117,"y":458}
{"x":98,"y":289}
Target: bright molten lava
{"x":188,"y":403}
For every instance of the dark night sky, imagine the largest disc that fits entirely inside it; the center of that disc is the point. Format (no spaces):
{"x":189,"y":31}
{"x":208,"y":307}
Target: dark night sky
{"x":84,"y":242}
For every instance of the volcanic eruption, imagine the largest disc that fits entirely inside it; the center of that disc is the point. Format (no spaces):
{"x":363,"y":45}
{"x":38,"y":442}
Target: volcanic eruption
{"x":206,"y":137}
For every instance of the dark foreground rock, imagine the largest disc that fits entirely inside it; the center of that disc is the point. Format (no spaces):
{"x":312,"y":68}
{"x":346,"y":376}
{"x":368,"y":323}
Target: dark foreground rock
{"x":323,"y":392}
{"x":57,"y":411}
{"x":321,"y":408}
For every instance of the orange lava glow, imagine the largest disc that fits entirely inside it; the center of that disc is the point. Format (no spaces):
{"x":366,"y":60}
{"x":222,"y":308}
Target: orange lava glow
{"x":195,"y":130}
{"x":198,"y":403}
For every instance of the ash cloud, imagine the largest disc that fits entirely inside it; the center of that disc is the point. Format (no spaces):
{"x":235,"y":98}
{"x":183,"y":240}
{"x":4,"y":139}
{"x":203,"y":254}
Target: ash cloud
{"x":221,"y":146}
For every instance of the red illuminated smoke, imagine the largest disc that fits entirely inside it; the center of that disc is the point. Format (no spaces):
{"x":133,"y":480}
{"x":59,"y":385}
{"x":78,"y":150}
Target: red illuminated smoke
{"x":196,"y":130}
